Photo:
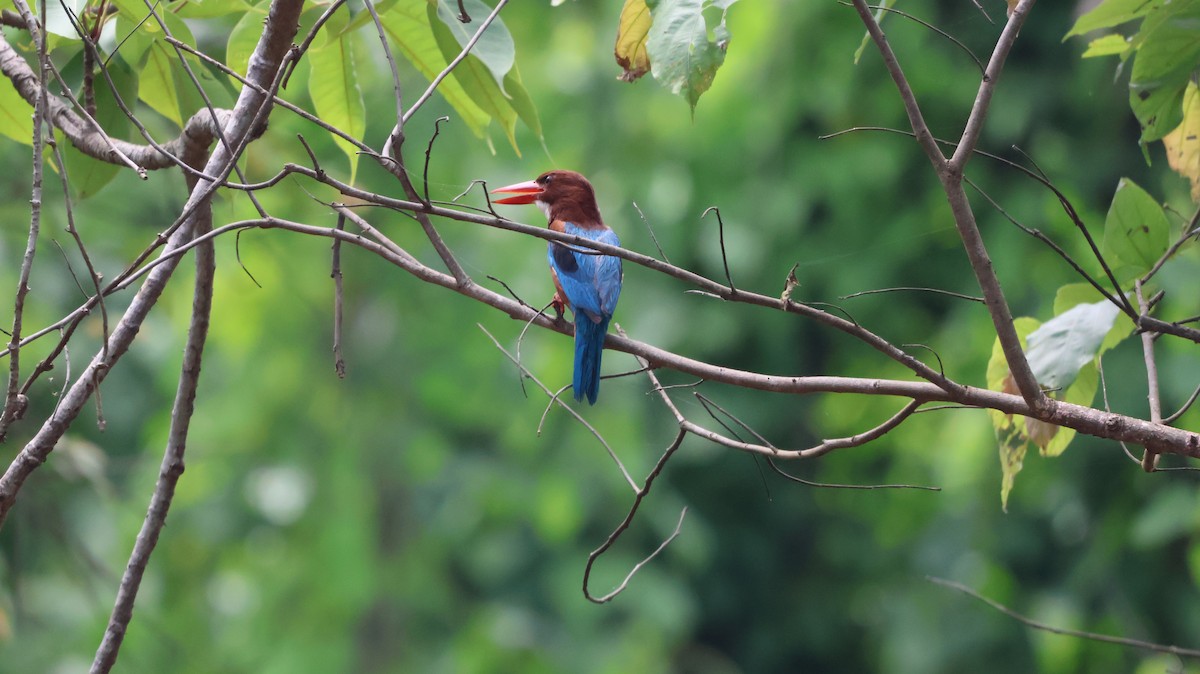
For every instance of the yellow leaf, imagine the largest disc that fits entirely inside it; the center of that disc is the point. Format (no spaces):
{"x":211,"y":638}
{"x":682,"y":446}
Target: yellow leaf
{"x":630,"y":50}
{"x":1012,"y":456}
{"x":1183,"y":144}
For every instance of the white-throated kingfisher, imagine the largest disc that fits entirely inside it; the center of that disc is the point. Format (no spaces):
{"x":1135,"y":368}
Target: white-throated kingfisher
{"x":585,"y":281}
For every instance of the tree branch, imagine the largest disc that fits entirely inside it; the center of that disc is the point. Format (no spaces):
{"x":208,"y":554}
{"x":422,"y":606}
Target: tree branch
{"x":172,"y":463}
{"x":265,"y":65}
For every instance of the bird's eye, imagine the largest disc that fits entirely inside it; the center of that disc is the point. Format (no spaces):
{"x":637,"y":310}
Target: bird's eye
{"x":546,"y":180}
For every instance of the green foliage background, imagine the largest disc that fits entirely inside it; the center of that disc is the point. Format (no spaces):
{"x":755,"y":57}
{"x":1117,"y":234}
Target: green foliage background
{"x":410,"y":518}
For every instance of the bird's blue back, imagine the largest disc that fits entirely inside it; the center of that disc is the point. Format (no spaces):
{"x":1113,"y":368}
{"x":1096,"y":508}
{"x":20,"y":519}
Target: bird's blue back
{"x":591,"y":281}
{"x":592,"y":285}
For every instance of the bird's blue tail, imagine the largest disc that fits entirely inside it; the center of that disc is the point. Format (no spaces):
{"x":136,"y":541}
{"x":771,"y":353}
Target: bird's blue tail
{"x":589,"y":345}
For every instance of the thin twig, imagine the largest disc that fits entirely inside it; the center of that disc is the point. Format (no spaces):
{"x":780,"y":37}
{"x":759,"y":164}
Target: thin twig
{"x":14,"y":407}
{"x":554,"y":396}
{"x":612,"y":538}
{"x":1091,"y":636}
{"x":1184,"y":408}
{"x":939,"y":291}
{"x":1149,"y":457}
{"x":721,"y":237}
{"x":650,"y":229}
{"x":437,"y":128}
{"x":339,"y":362}
{"x":939,"y":31}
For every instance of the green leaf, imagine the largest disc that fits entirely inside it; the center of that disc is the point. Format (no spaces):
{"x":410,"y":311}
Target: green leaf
{"x":1074,"y":294}
{"x":1064,"y":344}
{"x":866,"y":38}
{"x":1136,"y":229}
{"x":408,"y":26}
{"x":134,"y":37}
{"x":682,"y":57}
{"x":336,"y":96}
{"x":243,"y":38}
{"x":1168,"y":51}
{"x":208,"y":9}
{"x":1082,"y":392}
{"x":16,"y":115}
{"x":1112,"y":13}
{"x":58,"y":22}
{"x":522,"y":102}
{"x":1109,"y":45}
{"x":88,"y":175}
{"x":476,"y":80}
{"x":495,"y":47}
{"x":364,"y":17}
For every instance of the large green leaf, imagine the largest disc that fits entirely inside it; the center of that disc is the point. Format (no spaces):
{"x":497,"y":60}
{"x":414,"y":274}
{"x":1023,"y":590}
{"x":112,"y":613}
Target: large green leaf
{"x":1112,"y":13}
{"x":477,"y":80}
{"x":408,"y":27}
{"x":522,"y":102}
{"x":243,"y":38}
{"x":16,"y":115}
{"x":89,"y":175}
{"x":1136,"y":230}
{"x":58,"y":21}
{"x":1064,"y":344}
{"x":336,"y":96}
{"x":164,"y":84}
{"x":495,"y":47}
{"x":207,"y":9}
{"x":1168,"y":52}
{"x":1074,"y":294}
{"x":682,"y":57}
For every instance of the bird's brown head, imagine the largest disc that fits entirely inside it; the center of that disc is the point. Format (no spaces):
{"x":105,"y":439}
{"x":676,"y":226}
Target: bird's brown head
{"x":562,"y":195}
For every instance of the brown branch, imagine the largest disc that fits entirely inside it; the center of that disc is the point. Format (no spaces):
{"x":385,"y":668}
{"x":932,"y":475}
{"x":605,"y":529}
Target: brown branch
{"x":1149,"y":457}
{"x":1086,"y":420}
{"x":950,"y":173}
{"x":172,"y":463}
{"x":339,"y":361}
{"x":15,"y":404}
{"x":612,"y":538}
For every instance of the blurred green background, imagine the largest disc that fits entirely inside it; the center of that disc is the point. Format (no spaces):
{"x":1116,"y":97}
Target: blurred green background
{"x":411,"y":518}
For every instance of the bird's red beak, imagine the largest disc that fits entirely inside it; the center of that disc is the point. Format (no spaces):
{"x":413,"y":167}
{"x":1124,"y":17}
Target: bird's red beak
{"x":526,"y":193}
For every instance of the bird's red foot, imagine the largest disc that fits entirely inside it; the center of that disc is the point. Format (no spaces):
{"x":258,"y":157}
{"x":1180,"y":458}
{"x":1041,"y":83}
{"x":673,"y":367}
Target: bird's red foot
{"x":559,"y":306}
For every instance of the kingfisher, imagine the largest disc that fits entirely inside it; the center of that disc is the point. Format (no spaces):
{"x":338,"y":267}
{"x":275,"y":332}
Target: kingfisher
{"x":585,"y":281}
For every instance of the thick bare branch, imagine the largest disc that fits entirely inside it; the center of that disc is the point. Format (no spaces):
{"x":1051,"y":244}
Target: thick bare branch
{"x":199,"y":131}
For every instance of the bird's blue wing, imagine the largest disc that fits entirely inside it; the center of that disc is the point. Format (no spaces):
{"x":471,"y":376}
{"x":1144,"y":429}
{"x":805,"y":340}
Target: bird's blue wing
{"x":591,"y":282}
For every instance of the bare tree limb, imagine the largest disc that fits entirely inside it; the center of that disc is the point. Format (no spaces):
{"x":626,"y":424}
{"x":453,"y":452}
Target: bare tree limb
{"x":172,"y":463}
{"x":950,"y":173}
